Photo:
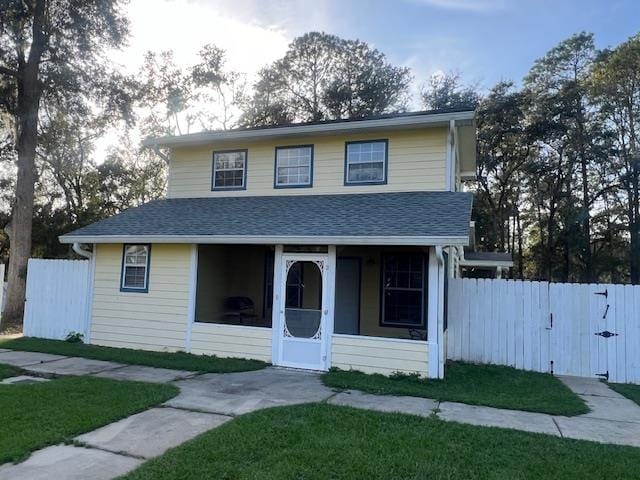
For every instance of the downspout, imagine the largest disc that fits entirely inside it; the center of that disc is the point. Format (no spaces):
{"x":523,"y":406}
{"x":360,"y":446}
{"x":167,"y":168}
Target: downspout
{"x":440,"y":329}
{"x":80,"y":249}
{"x":77,"y":247}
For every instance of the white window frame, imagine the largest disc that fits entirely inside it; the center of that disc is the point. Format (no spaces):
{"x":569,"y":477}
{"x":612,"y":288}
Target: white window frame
{"x":123,"y":276}
{"x":348,"y":163}
{"x":244,"y":170}
{"x":277,"y":184}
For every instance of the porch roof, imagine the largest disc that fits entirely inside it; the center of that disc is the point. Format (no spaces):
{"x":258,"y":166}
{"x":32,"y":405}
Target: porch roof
{"x":407,"y":218}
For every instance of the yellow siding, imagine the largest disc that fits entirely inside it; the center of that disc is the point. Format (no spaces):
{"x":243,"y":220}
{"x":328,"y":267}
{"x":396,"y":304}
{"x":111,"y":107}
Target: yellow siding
{"x":231,"y":341}
{"x":155,"y":320}
{"x":379,"y":355}
{"x":416,"y":162}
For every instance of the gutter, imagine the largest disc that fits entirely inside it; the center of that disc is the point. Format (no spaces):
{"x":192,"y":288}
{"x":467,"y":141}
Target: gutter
{"x":440,"y":119}
{"x":78,"y":248}
{"x":267,"y":239}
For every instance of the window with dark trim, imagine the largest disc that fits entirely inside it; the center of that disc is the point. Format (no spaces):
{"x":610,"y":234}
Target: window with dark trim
{"x":403,"y":290}
{"x":365,"y":162}
{"x":294,"y":166}
{"x":135,"y":268}
{"x":229,"y":170}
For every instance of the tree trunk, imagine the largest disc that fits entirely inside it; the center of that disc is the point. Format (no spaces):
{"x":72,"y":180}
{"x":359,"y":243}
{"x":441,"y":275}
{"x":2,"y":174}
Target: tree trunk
{"x":29,"y":92}
{"x":22,"y":215}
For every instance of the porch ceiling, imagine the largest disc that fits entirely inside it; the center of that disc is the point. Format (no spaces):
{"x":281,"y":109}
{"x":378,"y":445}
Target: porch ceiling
{"x":407,"y":218}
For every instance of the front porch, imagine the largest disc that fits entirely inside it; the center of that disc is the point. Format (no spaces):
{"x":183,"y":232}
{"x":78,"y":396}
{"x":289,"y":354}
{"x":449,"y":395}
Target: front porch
{"x":377,"y":309}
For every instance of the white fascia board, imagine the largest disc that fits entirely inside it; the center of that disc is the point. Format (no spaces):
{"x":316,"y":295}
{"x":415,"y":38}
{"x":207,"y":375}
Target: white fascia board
{"x":438,"y":119}
{"x":485,"y":263}
{"x":268,"y":240}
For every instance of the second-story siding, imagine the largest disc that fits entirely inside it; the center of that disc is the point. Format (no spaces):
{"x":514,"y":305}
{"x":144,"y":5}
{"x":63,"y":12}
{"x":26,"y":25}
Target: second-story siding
{"x":416,"y":161}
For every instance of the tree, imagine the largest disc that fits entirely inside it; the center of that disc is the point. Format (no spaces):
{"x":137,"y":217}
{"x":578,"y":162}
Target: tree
{"x":49,"y":50}
{"x":504,"y":149}
{"x":445,"y":91}
{"x":323,"y":77}
{"x":615,"y":85}
{"x":557,"y":84}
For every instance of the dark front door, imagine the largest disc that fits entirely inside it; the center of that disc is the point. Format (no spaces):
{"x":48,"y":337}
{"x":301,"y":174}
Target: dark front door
{"x":347,"y":309}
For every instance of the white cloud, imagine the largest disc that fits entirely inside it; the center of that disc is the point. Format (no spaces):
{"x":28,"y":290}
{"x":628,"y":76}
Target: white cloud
{"x":184,"y":27}
{"x":479,"y":6}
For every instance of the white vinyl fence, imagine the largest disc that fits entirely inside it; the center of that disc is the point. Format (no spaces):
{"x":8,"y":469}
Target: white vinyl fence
{"x":57,"y":298}
{"x":570,"y":329}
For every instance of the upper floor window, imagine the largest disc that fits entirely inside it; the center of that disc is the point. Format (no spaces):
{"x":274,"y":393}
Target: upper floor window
{"x":229,"y":170}
{"x":135,"y":268}
{"x":366,"y":162}
{"x":294,"y":166}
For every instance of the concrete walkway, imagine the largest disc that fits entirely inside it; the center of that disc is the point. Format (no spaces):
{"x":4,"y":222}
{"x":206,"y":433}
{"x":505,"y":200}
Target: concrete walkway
{"x":207,"y":401}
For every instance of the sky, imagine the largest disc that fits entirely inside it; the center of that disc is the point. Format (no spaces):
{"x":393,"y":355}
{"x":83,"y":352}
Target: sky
{"x":485,"y":40}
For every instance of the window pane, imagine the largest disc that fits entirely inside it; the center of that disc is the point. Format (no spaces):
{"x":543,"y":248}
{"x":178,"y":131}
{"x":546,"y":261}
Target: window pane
{"x":136,"y":255}
{"x":403,"y":307}
{"x":403,"y":282}
{"x":134,"y":277}
{"x":366,"y":172}
{"x":229,"y":169}
{"x":293,"y":166}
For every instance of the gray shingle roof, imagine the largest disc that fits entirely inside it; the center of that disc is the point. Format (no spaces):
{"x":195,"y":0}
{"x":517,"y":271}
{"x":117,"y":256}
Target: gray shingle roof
{"x":407,"y":214}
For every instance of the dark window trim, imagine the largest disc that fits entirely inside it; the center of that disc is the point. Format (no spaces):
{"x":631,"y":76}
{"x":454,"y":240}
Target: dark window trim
{"x":347,"y":183}
{"x":425,"y":291}
{"x":359,"y":259}
{"x":130,"y":289}
{"x":213,"y":170}
{"x":275,"y":167}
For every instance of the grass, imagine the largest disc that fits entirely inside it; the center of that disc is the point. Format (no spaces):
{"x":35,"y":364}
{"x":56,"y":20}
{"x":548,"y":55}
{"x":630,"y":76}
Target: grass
{"x":7,"y":371}
{"x":177,"y":360}
{"x":40,"y":414}
{"x":320,"y":441}
{"x":632,"y":392}
{"x":490,"y":385}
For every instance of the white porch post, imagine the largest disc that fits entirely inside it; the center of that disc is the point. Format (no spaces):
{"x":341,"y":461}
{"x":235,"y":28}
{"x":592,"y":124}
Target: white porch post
{"x":331,"y":301}
{"x":193,"y":281}
{"x":275,"y":308}
{"x":435,"y":313}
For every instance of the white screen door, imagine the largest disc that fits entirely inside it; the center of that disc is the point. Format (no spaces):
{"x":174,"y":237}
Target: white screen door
{"x":303,"y":311}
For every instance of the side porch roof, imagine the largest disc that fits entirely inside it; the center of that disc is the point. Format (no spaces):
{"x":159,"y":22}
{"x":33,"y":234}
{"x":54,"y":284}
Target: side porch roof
{"x":407,"y":218}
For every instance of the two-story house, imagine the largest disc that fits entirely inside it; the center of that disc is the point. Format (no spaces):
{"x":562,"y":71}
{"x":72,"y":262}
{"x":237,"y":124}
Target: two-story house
{"x":314,"y":245}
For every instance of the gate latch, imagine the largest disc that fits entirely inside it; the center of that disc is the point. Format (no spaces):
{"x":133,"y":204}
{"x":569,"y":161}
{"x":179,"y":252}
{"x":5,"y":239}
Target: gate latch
{"x":606,"y":334}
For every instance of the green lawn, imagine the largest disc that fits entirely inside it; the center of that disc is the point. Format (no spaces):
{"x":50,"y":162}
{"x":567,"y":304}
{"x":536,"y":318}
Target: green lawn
{"x":320,"y":441}
{"x":490,"y":385}
{"x":40,"y":414}
{"x":7,"y":371}
{"x":632,"y":392}
{"x":178,"y":360}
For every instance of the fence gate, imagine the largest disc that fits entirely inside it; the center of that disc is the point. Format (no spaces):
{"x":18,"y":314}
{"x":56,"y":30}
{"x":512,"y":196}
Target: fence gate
{"x":57,"y":298}
{"x":570,"y":329}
